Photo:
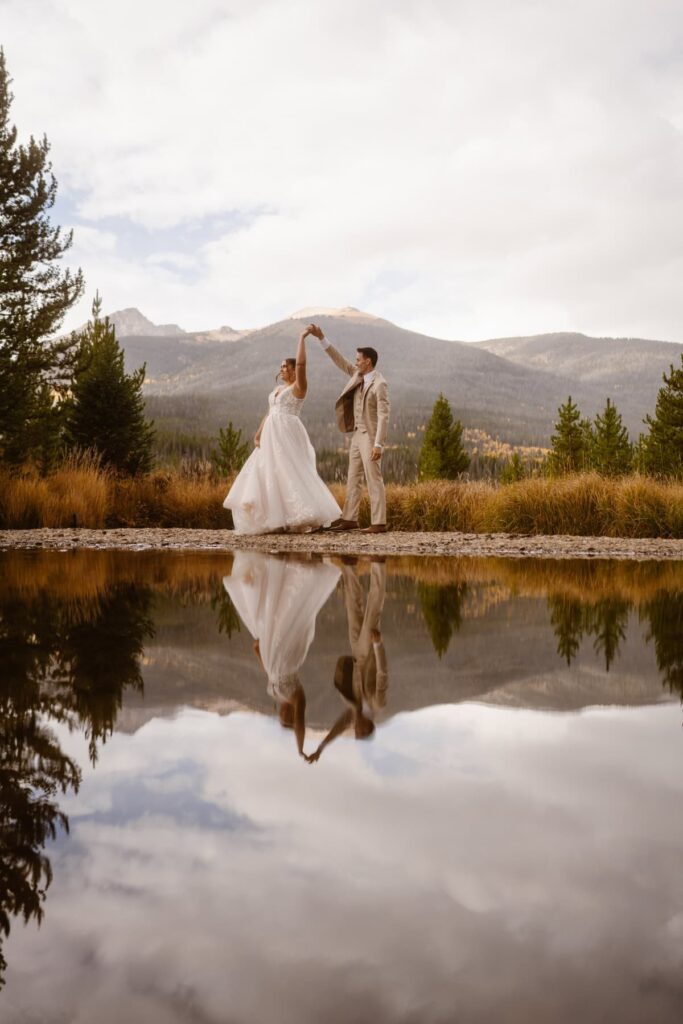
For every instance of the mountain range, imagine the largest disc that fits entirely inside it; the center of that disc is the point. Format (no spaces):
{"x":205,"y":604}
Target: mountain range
{"x":509,"y":386}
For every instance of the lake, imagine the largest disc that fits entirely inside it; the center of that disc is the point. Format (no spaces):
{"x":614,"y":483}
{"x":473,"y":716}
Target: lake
{"x":253,"y":788}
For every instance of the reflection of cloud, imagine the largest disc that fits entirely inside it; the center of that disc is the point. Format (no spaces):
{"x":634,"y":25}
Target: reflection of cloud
{"x":525,"y":859}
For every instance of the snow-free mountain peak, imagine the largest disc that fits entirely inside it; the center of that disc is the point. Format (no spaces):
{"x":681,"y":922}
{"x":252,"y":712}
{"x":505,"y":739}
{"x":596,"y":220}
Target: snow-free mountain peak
{"x":131,"y":322}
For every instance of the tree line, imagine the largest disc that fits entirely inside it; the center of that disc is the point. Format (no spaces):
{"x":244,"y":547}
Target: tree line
{"x":60,"y":394}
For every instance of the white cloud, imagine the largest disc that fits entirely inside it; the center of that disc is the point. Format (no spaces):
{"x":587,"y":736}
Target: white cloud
{"x":468,"y":169}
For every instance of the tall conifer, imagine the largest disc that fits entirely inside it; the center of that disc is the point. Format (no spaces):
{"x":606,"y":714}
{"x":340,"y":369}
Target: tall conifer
{"x":570,"y":442}
{"x":663,"y":446}
{"x":35,"y":292}
{"x":443,"y":455}
{"x":106,"y":410}
{"x":611,"y":451}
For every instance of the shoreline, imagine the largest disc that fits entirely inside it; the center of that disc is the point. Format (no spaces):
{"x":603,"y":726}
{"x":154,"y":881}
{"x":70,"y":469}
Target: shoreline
{"x":494,"y":545}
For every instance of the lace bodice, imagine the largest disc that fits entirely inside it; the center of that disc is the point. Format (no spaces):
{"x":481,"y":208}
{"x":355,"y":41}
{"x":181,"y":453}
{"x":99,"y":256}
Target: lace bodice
{"x":284,"y":402}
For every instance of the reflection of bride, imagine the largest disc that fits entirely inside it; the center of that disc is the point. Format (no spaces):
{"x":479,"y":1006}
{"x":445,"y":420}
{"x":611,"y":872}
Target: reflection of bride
{"x":278,"y":600}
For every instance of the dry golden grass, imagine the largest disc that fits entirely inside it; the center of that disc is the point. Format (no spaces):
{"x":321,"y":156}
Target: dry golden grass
{"x":581,"y":505}
{"x":81,"y":494}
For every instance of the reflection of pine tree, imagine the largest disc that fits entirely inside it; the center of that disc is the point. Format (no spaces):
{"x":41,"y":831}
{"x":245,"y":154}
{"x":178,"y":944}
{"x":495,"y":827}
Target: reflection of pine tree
{"x":61,"y":662}
{"x":228,"y":619}
{"x":442,"y":612}
{"x":604,"y":620}
{"x":32,"y":770}
{"x":608,"y":620}
{"x":568,"y":621}
{"x":665,"y":613}
{"x":100,"y":658}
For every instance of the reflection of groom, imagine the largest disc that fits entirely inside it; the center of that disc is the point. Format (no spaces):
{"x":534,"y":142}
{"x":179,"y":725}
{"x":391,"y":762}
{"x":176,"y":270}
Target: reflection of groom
{"x":362,"y":411}
{"x":360,"y":678}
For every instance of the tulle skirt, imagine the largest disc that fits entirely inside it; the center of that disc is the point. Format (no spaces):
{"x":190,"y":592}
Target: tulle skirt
{"x":278,"y":487}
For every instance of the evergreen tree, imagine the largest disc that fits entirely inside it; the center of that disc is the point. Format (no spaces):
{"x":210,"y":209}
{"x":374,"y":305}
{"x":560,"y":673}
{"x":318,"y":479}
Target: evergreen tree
{"x":232,"y":451}
{"x":513,"y":471}
{"x":35,"y":293}
{"x":442,"y":456}
{"x":611,"y":450}
{"x":570,"y":442}
{"x":664,"y":443}
{"x":106,"y":410}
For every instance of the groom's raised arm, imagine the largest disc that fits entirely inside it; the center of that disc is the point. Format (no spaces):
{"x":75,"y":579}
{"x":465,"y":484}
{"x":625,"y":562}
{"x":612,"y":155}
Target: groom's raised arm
{"x":337,"y":358}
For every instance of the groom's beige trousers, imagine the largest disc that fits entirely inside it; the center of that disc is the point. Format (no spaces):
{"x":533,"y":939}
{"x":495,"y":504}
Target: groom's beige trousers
{"x":362,"y":469}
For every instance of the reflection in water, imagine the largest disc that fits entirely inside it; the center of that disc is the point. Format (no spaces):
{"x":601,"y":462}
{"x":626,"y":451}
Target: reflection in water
{"x":665,"y":616}
{"x":361,"y":678}
{"x":442,"y":611}
{"x":32,"y":770}
{"x":605,"y":620}
{"x":77,"y":639}
{"x":278,"y":599}
{"x":62,"y":662}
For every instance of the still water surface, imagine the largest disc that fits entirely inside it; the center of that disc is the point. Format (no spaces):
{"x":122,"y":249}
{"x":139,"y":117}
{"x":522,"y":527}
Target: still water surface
{"x":259,"y":789}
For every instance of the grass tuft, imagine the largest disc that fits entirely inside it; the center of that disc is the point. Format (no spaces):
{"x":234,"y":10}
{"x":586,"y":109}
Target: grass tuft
{"x":80,"y":493}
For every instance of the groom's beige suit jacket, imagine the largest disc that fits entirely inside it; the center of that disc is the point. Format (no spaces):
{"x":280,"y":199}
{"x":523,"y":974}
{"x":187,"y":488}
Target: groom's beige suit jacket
{"x":368,"y":412}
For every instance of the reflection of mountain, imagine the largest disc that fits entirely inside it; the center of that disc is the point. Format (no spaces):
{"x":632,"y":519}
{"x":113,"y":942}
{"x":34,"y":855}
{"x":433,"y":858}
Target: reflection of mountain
{"x":507,"y":654}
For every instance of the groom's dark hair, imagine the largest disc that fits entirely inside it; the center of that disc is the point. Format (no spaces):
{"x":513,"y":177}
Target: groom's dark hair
{"x":369,"y":353}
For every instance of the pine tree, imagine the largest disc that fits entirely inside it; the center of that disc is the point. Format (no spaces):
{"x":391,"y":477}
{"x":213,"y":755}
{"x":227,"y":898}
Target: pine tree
{"x":232,"y":451}
{"x":570,"y":442}
{"x":106,"y":410}
{"x":611,"y":451}
{"x":35,"y":293}
{"x":514,"y":470}
{"x":663,"y":454}
{"x":442,"y":456}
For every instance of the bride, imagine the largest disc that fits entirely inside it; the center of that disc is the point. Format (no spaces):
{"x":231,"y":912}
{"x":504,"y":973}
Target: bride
{"x":278,"y":488}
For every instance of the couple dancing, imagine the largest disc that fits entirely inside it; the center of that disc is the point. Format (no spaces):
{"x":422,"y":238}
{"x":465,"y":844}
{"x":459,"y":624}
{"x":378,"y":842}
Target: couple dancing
{"x":278,"y":488}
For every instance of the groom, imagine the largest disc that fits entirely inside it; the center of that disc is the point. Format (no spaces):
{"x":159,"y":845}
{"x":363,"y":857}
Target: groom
{"x":362,"y":411}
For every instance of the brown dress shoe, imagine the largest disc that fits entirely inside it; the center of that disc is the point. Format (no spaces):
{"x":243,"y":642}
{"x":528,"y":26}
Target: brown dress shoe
{"x":375,"y":528}
{"x":341,"y":526}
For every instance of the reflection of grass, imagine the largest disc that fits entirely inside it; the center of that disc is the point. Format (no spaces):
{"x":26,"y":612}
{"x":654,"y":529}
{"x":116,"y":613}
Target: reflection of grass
{"x":82,"y":576}
{"x":578,"y":579}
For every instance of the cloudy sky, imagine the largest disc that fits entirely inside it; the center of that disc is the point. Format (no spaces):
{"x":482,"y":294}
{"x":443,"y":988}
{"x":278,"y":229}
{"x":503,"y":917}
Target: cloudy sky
{"x":466,"y":168}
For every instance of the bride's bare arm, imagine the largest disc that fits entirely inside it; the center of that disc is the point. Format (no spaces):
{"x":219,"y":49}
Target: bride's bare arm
{"x":257,"y":435}
{"x":301,"y":384}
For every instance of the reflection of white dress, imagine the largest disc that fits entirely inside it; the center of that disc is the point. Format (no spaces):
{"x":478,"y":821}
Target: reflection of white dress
{"x":278,"y":601}
{"x":279,"y":486}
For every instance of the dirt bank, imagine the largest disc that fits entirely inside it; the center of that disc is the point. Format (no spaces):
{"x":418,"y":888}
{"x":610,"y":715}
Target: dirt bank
{"x":454,"y":544}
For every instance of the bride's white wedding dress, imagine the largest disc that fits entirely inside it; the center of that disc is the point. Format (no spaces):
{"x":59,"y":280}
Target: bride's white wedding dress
{"x":278,"y":486}
{"x":278,"y":601}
